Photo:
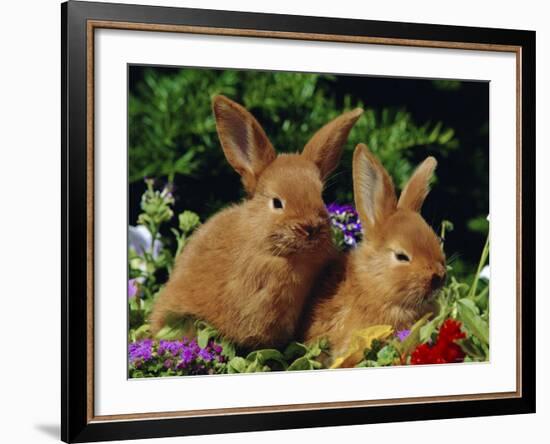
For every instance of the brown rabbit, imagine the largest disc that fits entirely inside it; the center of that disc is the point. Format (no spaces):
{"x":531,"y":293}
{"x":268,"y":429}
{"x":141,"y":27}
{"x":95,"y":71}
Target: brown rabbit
{"x":248,"y":269}
{"x":393,"y":274}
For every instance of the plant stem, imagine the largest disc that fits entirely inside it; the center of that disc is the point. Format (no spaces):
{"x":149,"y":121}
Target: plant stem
{"x":482,"y":262}
{"x":154,"y":231}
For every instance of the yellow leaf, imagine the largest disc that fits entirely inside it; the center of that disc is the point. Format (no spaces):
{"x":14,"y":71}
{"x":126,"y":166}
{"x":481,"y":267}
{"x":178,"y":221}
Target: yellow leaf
{"x":361,"y":339}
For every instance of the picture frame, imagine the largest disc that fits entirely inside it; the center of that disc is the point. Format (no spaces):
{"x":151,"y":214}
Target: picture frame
{"x":80,"y":21}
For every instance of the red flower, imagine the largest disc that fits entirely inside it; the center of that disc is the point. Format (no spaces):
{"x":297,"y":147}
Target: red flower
{"x":450,"y":331}
{"x":444,"y":350}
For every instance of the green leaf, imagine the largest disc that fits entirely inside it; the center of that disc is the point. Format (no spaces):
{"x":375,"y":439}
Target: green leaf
{"x":175,"y":329}
{"x":295,"y":349}
{"x":468,"y":313}
{"x":205,"y":335}
{"x":142,"y":332}
{"x":475,"y":352}
{"x":479,"y":224}
{"x":237,"y":365}
{"x":324,"y":345}
{"x":185,"y":164}
{"x":446,"y":136}
{"x":446,"y":226}
{"x":228,"y":348}
{"x":482,"y":261}
{"x":263,"y":356}
{"x":368,"y":363}
{"x":168,"y":333}
{"x":302,"y":363}
{"x":315,"y":364}
{"x":256,"y":366}
{"x":315,"y":349}
{"x":387,"y":355}
{"x":372,"y":352}
{"x":427,"y":330}
{"x":482,"y":299}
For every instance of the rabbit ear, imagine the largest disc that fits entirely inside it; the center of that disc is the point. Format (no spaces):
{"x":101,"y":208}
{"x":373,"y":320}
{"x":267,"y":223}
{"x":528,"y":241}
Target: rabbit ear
{"x":373,"y":189}
{"x":326,"y":146}
{"x":244,"y":142}
{"x":417,"y":188}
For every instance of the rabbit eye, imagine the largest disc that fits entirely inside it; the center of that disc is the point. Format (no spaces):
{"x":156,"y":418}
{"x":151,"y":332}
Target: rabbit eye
{"x":277,"y":203}
{"x":402,"y":257}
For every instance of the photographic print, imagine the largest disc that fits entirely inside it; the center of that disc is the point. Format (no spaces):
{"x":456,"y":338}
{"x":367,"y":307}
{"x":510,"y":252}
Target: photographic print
{"x":283,"y":221}
{"x":340,"y":207}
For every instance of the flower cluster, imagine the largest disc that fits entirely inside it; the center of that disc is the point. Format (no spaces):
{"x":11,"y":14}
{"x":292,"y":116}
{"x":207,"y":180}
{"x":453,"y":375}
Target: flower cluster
{"x":140,"y":352}
{"x":444,"y":350}
{"x":156,"y":208}
{"x":148,"y":357}
{"x":346,"y":225}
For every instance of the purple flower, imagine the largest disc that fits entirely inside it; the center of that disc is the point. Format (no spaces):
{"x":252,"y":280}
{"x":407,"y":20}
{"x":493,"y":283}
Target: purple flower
{"x":340,"y":209}
{"x":205,"y":355}
{"x":194,"y":346}
{"x":184,"y":357}
{"x":345,"y":219}
{"x":187,"y":355}
{"x":140,"y":351}
{"x":402,"y":334}
{"x":162,"y":347}
{"x":132,"y":288}
{"x":173,"y":348}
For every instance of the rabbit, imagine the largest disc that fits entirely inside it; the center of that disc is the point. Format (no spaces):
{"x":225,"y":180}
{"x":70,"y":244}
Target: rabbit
{"x":250,"y":267}
{"x":392,"y":276}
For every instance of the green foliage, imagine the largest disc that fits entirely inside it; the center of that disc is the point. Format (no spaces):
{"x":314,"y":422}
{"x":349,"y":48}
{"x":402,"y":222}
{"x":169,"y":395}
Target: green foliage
{"x":446,"y":227}
{"x":150,"y":260}
{"x":188,"y":223}
{"x":172,"y":130}
{"x":296,"y":356}
{"x":156,"y":208}
{"x":479,"y":224}
{"x":380,"y":355}
{"x":177,"y":329}
{"x":468,"y":304}
{"x":149,"y":256}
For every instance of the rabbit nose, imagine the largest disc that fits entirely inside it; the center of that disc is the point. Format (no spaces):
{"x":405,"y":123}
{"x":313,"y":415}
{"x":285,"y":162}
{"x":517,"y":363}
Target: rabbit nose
{"x":309,"y":230}
{"x":437,"y":280}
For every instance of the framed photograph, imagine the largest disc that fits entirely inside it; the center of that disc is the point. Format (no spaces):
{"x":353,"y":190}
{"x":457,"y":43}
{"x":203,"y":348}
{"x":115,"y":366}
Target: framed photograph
{"x":276,"y":221}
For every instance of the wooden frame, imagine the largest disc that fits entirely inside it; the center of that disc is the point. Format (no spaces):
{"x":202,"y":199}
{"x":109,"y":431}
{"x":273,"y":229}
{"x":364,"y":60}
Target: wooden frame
{"x":79,"y":21}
